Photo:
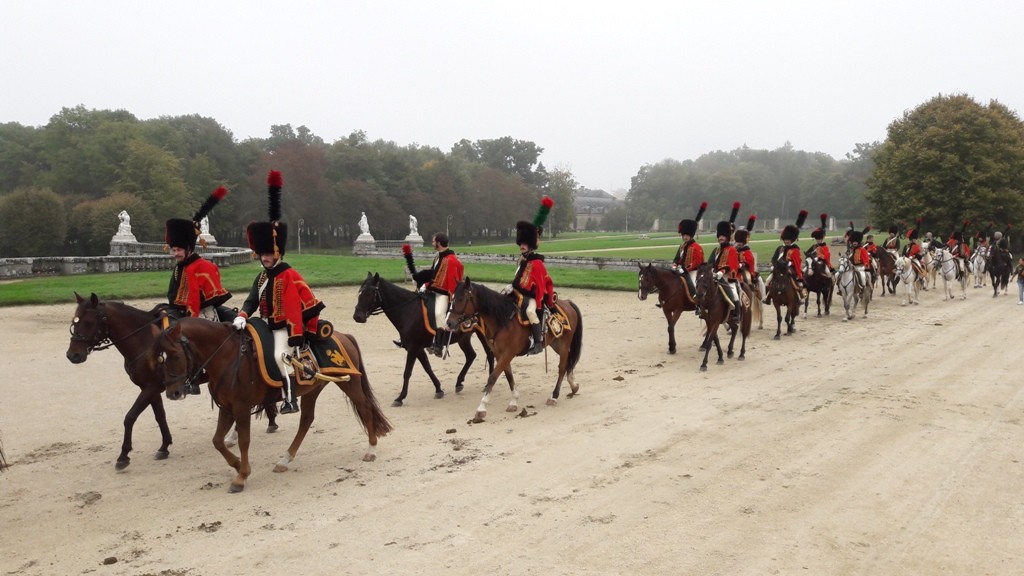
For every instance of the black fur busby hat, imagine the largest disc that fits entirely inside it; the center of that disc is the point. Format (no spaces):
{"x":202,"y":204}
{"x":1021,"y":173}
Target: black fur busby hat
{"x":689,"y":227}
{"x":182,"y":233}
{"x":792,"y":232}
{"x":855,"y":236}
{"x":913,"y":233}
{"x":270,"y":237}
{"x":726,"y":227}
{"x":743,"y":234}
{"x":958,"y":235}
{"x":819,"y":232}
{"x":894,"y":229}
{"x":529,"y":232}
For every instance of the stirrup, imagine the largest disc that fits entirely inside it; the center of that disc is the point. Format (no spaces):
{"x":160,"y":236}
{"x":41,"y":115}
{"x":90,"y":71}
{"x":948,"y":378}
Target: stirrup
{"x":289,"y":407}
{"x":192,"y":388}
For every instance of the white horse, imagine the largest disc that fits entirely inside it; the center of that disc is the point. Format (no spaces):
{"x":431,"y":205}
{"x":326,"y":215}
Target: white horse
{"x":977,"y":263}
{"x":910,"y":280}
{"x":945,"y":264}
{"x":927,"y":257}
{"x":854,"y":286}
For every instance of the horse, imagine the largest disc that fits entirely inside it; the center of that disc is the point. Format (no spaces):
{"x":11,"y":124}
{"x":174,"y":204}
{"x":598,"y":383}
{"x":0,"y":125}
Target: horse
{"x":1000,"y":265}
{"x":944,"y":265}
{"x":673,"y":298}
{"x":715,"y":310}
{"x":911,"y":280}
{"x":853,"y":295}
{"x":404,"y":309}
{"x":98,"y":325}
{"x":783,"y":293}
{"x":497,"y":317}
{"x":817,"y":282}
{"x":238,"y":385}
{"x":927,"y":263}
{"x":977,"y":263}
{"x":886,"y":267}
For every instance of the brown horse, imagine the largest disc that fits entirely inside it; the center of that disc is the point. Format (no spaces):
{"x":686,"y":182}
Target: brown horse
{"x":673,"y":296}
{"x":404,"y":309}
{"x":887,"y":271}
{"x":497,"y":317}
{"x":999,"y":266}
{"x":237,"y":386}
{"x":783,"y":293}
{"x":98,"y":325}
{"x":716,"y":311}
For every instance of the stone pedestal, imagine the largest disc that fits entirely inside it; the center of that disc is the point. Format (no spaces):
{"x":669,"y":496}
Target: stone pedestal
{"x":208,"y":238}
{"x":414,"y":240}
{"x":364,"y":244}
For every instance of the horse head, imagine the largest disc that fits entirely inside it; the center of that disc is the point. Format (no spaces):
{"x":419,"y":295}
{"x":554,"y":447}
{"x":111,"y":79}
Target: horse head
{"x":88,"y":329}
{"x":369,"y":299}
{"x":646,"y":281}
{"x":168,"y":357}
{"x":463,"y":307}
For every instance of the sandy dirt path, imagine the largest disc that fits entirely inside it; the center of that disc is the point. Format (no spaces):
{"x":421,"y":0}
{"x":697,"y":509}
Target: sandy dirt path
{"x":885,"y":445}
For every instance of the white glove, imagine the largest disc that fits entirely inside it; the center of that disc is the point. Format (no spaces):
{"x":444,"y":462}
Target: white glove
{"x":506,"y":290}
{"x":238,"y":323}
{"x":423,"y":289}
{"x":719,"y":275}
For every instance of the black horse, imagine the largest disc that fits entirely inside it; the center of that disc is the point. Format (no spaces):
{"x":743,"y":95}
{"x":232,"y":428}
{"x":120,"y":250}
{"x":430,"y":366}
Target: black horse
{"x":818,"y":283}
{"x":405,"y":311}
{"x":999,"y":267}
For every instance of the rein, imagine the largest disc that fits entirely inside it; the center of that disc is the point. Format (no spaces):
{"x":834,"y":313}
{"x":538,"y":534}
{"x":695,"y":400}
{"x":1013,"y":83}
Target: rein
{"x":101,"y":340}
{"x":379,"y":308}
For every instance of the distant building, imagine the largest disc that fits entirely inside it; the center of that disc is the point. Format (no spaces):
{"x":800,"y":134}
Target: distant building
{"x":591,"y":206}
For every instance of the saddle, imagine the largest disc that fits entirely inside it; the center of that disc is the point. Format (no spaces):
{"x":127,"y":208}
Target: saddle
{"x":558,"y":322}
{"x":686,"y":289}
{"x":427,"y":306}
{"x":324,"y":360}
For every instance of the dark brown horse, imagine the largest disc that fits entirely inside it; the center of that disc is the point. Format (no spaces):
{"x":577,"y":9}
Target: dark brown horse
{"x":999,"y":266}
{"x":887,"y":271}
{"x":818,"y":283}
{"x":405,"y":311}
{"x":497,"y":317}
{"x":783,"y":294}
{"x":98,"y":325}
{"x":238,"y":387}
{"x":716,"y":311}
{"x":673,"y":297}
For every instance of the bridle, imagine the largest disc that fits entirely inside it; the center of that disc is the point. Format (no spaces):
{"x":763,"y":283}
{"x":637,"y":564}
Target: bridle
{"x":101,"y":340}
{"x":466,"y":320}
{"x":378,"y":301}
{"x":191,"y":372}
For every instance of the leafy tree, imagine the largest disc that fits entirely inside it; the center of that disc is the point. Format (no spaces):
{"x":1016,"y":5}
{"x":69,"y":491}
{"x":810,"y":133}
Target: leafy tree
{"x":20,"y":162}
{"x":156,"y":177}
{"x":561,"y":188}
{"x":948,"y":160}
{"x":83,"y":150}
{"x":34,"y":223}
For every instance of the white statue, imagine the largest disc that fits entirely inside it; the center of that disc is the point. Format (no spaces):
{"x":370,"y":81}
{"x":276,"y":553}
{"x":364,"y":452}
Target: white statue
{"x":125,"y":227}
{"x":413,"y":226}
{"x":364,"y":226}
{"x":204,"y":226}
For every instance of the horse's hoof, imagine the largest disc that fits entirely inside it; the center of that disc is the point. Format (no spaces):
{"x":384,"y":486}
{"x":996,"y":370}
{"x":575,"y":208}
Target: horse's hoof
{"x":741,"y":357}
{"x":280,"y":468}
{"x":235,"y":488}
{"x":720,"y":362}
{"x":702,"y":349}
{"x":161,"y":455}
{"x":271,"y":428}
{"x":552,"y":402}
{"x":439,"y":394}
{"x":458,"y":388}
{"x":369,"y":457}
{"x":396,"y":404}
{"x":512,"y":408}
{"x":776,"y":337}
{"x":729,"y":355}
{"x":479,"y":417}
{"x":671,"y":350}
{"x":703,"y":368}
{"x":122,"y":464}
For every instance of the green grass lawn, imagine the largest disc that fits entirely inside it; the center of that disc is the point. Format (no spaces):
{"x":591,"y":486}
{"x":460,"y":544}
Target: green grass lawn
{"x":342,"y":270}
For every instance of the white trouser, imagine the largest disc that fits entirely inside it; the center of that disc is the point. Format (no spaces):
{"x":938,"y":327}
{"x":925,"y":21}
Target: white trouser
{"x":861,"y":274}
{"x":209,"y":313}
{"x":531,"y":310}
{"x":440,"y":310}
{"x":281,"y":348}
{"x":734,"y":291}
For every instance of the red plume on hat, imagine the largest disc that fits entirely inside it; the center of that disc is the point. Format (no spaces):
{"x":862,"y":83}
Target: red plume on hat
{"x":750,"y":222}
{"x":407,"y":253}
{"x":274,"y":183}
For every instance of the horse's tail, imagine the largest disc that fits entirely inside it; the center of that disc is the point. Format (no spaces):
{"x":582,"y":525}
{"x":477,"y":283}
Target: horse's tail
{"x":381,"y":425}
{"x":3,"y":459}
{"x":576,"y":346}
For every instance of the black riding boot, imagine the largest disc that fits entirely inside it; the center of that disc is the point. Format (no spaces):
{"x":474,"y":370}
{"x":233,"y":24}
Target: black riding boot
{"x":290,"y":406}
{"x":439,"y":338}
{"x":538,"y":339}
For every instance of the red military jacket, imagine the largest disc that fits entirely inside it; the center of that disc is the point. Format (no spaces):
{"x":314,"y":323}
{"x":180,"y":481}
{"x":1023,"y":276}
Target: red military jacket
{"x":727,"y":261}
{"x":860,"y":257}
{"x":532,"y":280}
{"x":689,"y":256}
{"x":446,"y":273}
{"x":793,"y":253}
{"x":285,"y":301}
{"x":824,"y":253}
{"x":195,"y":284}
{"x":871,"y":247}
{"x":912,"y":250}
{"x":748,"y":261}
{"x":961,"y":250}
{"x":891,"y":243}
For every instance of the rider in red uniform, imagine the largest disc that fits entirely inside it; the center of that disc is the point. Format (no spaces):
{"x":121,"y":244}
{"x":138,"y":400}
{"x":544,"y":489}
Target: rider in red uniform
{"x":441,"y":278}
{"x":959,"y":248}
{"x":725,"y":260}
{"x":690,"y":255}
{"x":790,"y":251}
{"x":531,"y":280}
{"x":748,"y":260}
{"x":859,"y":256}
{"x":913,"y":251}
{"x":195,"y":289}
{"x":819,"y":249}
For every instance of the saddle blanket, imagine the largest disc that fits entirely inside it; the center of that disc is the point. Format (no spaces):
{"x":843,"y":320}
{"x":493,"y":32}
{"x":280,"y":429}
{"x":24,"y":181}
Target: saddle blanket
{"x":326,"y":354}
{"x":558,"y":322}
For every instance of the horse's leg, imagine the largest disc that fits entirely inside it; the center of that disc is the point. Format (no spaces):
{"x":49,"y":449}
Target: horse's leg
{"x":410,"y":362}
{"x":672,"y":317}
{"x":270,"y":409}
{"x":466,"y":345}
{"x":243,"y":421}
{"x":718,"y":348}
{"x":225,"y":420}
{"x":562,"y":349}
{"x":307,"y":414}
{"x":513,"y":403}
{"x":502,"y":365}
{"x":778,"y":322}
{"x":421,"y":355}
{"x":142,"y":401}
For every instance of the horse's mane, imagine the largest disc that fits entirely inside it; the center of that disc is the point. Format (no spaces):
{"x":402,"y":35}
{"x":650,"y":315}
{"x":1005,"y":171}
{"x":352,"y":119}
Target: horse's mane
{"x":502,"y":308}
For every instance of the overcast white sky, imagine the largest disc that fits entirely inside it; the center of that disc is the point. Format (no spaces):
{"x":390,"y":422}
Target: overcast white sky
{"x":604,"y":87}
